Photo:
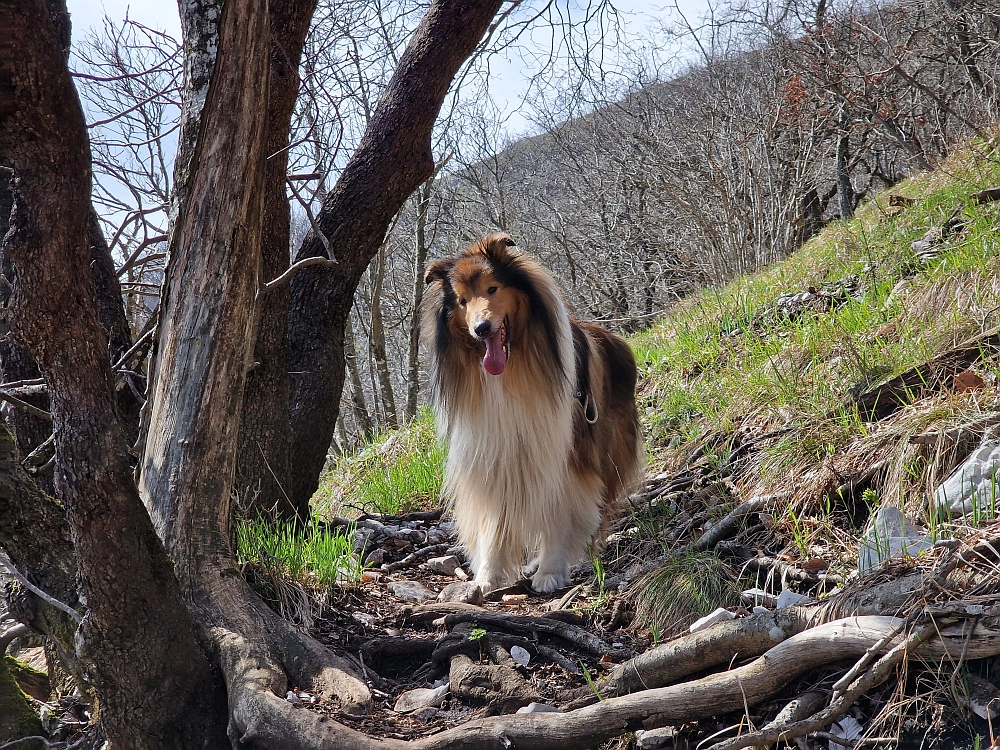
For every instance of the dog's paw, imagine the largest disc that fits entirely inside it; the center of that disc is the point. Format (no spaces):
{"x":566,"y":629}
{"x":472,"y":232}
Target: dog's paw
{"x":546,"y":583}
{"x":530,"y":568}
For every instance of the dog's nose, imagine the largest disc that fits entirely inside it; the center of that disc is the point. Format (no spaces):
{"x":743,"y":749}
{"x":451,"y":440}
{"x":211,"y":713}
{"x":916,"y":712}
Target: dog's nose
{"x":483,"y":329}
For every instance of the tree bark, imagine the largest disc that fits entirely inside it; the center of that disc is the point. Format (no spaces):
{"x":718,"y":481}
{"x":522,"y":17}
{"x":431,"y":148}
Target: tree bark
{"x":36,"y":536}
{"x":376,"y":338}
{"x":111,"y":315}
{"x":419,"y":261}
{"x":153,"y":681}
{"x":362,"y":418}
{"x":263,"y":470}
{"x":393,"y":158}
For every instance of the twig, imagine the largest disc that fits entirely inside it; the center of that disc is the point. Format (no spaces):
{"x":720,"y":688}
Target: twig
{"x":25,"y":406}
{"x":414,"y":557}
{"x":575,"y":635}
{"x":317,"y":260}
{"x":874,"y":676}
{"x":852,"y":674}
{"x":728,"y":524}
{"x":6,"y":563}
{"x":30,"y":462}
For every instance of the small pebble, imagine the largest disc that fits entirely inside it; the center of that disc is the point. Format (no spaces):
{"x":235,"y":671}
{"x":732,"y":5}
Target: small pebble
{"x":512,"y":599}
{"x":521,"y":656}
{"x":539,"y":708}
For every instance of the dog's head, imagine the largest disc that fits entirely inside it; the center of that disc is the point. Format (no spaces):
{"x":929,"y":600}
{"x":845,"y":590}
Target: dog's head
{"x":484,"y":297}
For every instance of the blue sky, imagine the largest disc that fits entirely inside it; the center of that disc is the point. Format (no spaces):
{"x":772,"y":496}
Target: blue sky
{"x":508,"y":80}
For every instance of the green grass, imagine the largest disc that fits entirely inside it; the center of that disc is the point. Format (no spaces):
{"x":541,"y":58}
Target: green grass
{"x":708,"y":367}
{"x":398,"y":472}
{"x":314,"y":556}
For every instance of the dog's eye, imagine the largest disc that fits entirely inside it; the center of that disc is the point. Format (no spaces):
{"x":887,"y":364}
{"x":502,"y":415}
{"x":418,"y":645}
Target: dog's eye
{"x":462,"y":302}
{"x":491,"y":290}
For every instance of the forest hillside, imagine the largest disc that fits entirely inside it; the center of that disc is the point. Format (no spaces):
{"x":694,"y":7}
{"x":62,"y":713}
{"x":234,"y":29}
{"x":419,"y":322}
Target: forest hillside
{"x":800,"y":423}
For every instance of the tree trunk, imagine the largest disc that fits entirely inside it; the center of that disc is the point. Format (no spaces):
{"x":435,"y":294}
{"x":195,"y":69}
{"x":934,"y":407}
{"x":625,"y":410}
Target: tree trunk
{"x":844,"y":186}
{"x":376,"y":338}
{"x":35,"y":535}
{"x":362,"y":418}
{"x":263,"y":469}
{"x":153,"y":681}
{"x":393,"y":158}
{"x":111,"y":315}
{"x":419,"y":261}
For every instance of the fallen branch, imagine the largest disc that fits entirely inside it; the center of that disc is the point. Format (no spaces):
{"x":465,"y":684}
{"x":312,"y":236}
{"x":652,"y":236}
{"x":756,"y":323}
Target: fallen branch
{"x":727,"y":526}
{"x":531,"y":625}
{"x":878,"y":674}
{"x":25,"y":406}
{"x":416,"y":557}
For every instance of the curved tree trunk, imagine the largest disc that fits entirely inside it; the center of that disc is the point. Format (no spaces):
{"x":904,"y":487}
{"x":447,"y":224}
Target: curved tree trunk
{"x":153,"y":681}
{"x":263,"y":470}
{"x":393,"y":158}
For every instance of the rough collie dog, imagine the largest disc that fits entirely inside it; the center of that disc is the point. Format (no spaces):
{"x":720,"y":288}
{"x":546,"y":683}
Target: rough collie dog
{"x":538,"y":412}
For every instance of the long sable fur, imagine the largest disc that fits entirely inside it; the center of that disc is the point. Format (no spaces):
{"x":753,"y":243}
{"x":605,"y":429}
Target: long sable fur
{"x":527,"y":470}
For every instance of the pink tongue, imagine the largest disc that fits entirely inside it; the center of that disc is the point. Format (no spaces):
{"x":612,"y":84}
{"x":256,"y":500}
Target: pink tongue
{"x":495,"y":358}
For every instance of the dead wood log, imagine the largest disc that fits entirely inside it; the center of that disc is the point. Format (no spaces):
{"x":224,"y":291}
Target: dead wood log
{"x":890,"y":396}
{"x":426,"y":614}
{"x":748,"y":637}
{"x":987,"y":196}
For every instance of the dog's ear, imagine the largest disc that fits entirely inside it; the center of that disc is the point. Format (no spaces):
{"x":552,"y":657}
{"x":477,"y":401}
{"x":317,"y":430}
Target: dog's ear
{"x":438,"y":271}
{"x":496,"y":247}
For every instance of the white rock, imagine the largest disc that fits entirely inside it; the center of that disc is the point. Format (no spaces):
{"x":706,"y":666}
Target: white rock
{"x":467,"y":592}
{"x":788,"y":598}
{"x":461,"y":575}
{"x":759,"y":597}
{"x":413,"y":700}
{"x":720,"y":615}
{"x":888,"y":535}
{"x":973,"y":484}
{"x":538,"y":708}
{"x":444,"y":566}
{"x":520,"y":655}
{"x":759,"y":610}
{"x":655,"y":738}
{"x":291,"y":697}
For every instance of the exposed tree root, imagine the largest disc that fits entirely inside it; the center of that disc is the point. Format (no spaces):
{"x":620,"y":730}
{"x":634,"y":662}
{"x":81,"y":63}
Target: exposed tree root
{"x":261,"y":717}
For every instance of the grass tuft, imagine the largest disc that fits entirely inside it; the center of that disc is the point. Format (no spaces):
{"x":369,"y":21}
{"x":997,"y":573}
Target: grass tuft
{"x":398,"y":472}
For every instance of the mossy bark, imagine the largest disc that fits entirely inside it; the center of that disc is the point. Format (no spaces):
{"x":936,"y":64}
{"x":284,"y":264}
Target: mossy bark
{"x":16,"y":717}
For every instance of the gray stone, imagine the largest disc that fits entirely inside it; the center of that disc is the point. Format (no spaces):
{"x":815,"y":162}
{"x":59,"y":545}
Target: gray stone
{"x":971,"y":485}
{"x":410,"y":591}
{"x":444,"y":566}
{"x":436,"y":536}
{"x":375,"y":558}
{"x":788,"y":598}
{"x":420,"y":698}
{"x":652,"y":739}
{"x":466,"y":592}
{"x":888,"y":535}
